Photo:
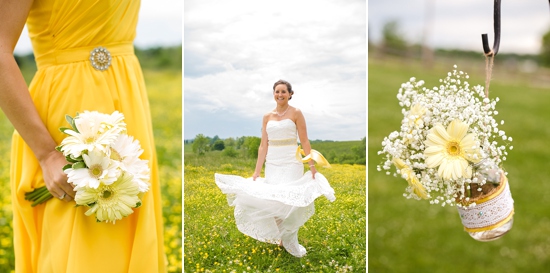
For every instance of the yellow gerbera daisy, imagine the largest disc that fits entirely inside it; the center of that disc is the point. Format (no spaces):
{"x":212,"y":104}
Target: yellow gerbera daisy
{"x":416,"y":114}
{"x":451,"y":149}
{"x":408,"y":174}
{"x":110,"y":202}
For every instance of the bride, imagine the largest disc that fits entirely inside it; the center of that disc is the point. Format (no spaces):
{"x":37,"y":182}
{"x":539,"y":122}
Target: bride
{"x":272,"y":209}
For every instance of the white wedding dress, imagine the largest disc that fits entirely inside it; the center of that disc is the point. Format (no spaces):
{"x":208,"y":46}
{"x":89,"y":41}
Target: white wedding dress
{"x":272,"y":209}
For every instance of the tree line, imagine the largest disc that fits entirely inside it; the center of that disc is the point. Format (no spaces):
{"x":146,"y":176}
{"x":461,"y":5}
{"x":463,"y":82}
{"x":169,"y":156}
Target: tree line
{"x":394,"y":42}
{"x":348,"y":152}
{"x":149,"y":58}
{"x":246,"y":146}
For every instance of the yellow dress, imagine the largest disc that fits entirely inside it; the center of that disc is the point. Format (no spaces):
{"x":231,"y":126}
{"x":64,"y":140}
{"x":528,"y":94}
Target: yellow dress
{"x":57,"y":236}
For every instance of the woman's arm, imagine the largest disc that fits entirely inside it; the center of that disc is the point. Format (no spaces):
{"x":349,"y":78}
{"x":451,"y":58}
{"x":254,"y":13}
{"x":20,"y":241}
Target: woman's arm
{"x":262,"y":150}
{"x":304,"y":141}
{"x":17,"y":105}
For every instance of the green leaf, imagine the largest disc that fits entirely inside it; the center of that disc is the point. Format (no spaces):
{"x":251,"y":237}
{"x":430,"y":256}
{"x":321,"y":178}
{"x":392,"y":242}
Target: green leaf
{"x":79,"y":165}
{"x":138,"y":204}
{"x":68,"y":166}
{"x":72,"y":159}
{"x":63,"y":129}
{"x":70,"y":120}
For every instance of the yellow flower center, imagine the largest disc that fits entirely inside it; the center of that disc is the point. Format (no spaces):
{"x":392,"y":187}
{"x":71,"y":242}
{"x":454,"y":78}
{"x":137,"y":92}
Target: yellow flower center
{"x":453,"y":148}
{"x":95,"y":170}
{"x":89,"y":140}
{"x":106,"y":194}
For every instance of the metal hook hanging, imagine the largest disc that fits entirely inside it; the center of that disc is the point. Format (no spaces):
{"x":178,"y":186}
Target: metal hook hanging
{"x":496,"y":24}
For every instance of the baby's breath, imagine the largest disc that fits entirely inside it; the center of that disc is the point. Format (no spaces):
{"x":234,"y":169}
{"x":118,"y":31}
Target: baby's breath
{"x":423,"y":108}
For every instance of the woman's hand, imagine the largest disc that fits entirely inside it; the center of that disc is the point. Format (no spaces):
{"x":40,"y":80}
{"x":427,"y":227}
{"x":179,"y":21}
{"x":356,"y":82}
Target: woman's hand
{"x":255,"y":175}
{"x":313,"y":171}
{"x":54,"y":177}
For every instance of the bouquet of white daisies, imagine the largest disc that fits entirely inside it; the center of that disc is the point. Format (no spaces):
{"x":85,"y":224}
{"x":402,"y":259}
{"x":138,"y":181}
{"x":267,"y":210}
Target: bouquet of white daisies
{"x":104,"y":166}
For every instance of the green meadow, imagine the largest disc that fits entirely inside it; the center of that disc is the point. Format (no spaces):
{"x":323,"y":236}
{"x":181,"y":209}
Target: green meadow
{"x":406,"y":235}
{"x":164,"y":89}
{"x":334,"y":237}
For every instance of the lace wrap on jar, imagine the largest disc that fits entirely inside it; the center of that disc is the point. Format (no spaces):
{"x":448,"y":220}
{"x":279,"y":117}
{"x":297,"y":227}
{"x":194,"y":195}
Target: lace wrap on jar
{"x":489,"y":213}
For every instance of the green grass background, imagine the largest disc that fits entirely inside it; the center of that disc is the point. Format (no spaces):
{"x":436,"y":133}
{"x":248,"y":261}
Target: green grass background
{"x":413,"y":236}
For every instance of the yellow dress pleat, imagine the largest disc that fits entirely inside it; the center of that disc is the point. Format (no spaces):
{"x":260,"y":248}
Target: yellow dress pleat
{"x":57,"y":236}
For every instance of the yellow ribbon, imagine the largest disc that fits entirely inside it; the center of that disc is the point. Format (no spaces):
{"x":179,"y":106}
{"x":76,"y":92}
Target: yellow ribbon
{"x":315,"y":155}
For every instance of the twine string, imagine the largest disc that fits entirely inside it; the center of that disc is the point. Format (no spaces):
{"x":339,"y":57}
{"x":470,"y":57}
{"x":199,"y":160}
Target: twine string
{"x":489,"y":57}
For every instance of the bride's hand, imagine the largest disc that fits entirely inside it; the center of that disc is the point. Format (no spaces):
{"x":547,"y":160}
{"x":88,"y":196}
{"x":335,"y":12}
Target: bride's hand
{"x":313,"y":171}
{"x":54,"y":177}
{"x":254,"y":176}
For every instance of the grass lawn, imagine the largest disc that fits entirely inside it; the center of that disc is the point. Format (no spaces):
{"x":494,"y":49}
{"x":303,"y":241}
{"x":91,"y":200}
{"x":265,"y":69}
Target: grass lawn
{"x":414,"y":236}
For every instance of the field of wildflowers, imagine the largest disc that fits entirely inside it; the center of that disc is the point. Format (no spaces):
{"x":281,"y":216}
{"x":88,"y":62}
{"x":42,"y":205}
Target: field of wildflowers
{"x":334,"y":237}
{"x":164,"y":89}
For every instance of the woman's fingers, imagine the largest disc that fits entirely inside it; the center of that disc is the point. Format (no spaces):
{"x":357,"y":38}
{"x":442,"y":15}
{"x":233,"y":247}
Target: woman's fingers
{"x":67,"y":188}
{"x":66,"y":198}
{"x":54,"y":177}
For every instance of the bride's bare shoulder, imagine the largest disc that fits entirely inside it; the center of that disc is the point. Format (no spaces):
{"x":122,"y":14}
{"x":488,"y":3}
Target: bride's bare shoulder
{"x":267,"y":116}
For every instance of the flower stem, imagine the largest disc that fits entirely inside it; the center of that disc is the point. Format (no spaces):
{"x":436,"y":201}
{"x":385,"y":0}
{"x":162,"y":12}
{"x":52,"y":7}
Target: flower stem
{"x":33,"y":194}
{"x":38,"y":196}
{"x":47,"y":196}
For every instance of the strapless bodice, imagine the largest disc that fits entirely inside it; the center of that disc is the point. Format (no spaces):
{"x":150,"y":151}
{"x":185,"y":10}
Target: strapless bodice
{"x":281,"y":130}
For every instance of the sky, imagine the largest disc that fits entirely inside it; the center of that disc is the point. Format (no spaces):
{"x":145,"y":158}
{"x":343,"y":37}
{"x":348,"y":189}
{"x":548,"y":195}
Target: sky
{"x":159,"y":24}
{"x":459,"y":24}
{"x":234,"y":51}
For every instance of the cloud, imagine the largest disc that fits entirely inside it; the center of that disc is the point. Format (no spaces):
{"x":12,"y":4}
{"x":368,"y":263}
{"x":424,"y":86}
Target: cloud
{"x":234,"y":51}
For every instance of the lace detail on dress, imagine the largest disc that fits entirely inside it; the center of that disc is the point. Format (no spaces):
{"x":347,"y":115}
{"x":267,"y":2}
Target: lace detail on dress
{"x":282,"y":129}
{"x":282,"y":142}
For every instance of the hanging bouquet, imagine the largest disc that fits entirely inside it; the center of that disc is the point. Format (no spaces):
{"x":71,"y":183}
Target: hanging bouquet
{"x":104,"y":166}
{"x":449,"y":148}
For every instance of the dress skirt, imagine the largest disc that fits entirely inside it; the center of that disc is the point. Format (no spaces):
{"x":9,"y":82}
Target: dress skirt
{"x":272,"y":209}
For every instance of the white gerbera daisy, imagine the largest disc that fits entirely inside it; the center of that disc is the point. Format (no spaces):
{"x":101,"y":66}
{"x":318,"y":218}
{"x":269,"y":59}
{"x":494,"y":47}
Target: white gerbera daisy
{"x":127,"y":151}
{"x":110,"y":202}
{"x":140,"y":173}
{"x":451,"y":150}
{"x":94,"y":131}
{"x":99,"y":170}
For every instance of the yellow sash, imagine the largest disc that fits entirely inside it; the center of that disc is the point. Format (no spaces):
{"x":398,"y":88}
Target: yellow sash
{"x":315,"y":155}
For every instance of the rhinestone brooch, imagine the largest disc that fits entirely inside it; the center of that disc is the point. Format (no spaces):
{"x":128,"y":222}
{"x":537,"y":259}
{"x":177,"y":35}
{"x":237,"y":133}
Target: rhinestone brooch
{"x":100,"y":58}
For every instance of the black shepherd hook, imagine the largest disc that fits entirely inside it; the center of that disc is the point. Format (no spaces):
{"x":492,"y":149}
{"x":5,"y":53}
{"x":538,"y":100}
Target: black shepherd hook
{"x":496,"y":23}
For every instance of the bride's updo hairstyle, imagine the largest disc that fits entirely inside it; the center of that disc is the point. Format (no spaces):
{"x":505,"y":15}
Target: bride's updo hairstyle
{"x":288,"y":87}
